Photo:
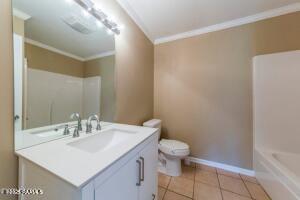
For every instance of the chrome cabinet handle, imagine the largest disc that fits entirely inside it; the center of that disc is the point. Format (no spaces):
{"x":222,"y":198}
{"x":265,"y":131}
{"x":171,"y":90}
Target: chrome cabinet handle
{"x":153,"y":196}
{"x":143,"y":171}
{"x":140,"y":173}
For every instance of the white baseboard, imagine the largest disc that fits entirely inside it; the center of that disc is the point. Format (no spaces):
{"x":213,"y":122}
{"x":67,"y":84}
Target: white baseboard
{"x":222,"y":166}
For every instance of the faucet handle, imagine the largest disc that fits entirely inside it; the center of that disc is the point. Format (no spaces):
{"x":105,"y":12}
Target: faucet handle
{"x":79,"y":126}
{"x":76,"y":133}
{"x":98,"y":128}
{"x":66,"y":130}
{"x":88,"y":127}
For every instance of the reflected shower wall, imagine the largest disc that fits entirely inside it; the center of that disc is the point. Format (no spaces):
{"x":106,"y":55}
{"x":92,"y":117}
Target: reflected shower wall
{"x":53,"y":97}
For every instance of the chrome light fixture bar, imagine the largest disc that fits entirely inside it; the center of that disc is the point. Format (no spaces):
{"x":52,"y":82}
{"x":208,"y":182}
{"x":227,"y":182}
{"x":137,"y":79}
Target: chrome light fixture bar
{"x":89,"y":6}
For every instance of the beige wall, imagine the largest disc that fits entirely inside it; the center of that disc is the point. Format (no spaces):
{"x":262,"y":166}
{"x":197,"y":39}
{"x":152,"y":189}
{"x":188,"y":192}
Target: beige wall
{"x":203,"y":86}
{"x":134,"y":61}
{"x":104,"y":67}
{"x":43,"y":59}
{"x":134,"y":69}
{"x":8,"y":161}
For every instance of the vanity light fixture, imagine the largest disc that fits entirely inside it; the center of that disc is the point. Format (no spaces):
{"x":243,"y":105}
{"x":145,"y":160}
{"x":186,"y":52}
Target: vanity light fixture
{"x":92,"y":9}
{"x":69,"y":1}
{"x":88,"y":4}
{"x":85,"y":13}
{"x":109,"y":32}
{"x":99,"y":24}
{"x":121,"y":27}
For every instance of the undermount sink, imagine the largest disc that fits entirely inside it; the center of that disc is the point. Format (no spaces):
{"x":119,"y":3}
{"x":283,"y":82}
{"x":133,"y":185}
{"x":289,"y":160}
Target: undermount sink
{"x":103,"y":140}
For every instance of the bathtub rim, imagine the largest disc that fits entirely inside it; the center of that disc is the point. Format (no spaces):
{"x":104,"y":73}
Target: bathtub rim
{"x":282,"y":173}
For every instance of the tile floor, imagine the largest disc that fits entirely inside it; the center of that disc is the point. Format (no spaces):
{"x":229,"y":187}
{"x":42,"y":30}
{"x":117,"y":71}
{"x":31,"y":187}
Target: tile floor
{"x":200,"y":182}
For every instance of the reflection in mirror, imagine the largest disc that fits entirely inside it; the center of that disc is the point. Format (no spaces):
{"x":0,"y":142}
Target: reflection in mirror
{"x":63,"y":64}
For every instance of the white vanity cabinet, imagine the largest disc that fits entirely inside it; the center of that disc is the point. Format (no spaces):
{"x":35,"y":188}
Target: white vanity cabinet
{"x":132,"y":177}
{"x":148,"y":188}
{"x":136,"y":180}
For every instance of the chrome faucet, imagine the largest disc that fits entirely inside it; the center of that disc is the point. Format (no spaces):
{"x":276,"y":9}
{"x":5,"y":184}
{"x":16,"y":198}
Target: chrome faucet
{"x":76,"y":116}
{"x":89,"y":123}
{"x":67,"y":130}
{"x":76,"y":132}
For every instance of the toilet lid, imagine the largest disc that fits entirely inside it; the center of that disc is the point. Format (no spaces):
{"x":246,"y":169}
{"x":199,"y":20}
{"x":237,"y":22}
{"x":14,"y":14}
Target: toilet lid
{"x":173,"y":146}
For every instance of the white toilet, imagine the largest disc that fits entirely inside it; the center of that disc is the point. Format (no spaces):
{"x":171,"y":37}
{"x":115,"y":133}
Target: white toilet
{"x":170,"y":152}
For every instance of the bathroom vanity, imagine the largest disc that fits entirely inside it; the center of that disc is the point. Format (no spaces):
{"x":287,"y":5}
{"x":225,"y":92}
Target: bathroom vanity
{"x":63,"y":80}
{"x":117,"y":163}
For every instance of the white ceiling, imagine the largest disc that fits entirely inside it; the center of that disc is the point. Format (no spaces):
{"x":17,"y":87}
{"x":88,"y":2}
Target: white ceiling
{"x":162,"y":18}
{"x":46,"y":26}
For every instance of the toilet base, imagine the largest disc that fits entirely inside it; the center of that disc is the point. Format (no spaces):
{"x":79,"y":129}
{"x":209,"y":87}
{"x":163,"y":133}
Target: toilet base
{"x":169,"y":165}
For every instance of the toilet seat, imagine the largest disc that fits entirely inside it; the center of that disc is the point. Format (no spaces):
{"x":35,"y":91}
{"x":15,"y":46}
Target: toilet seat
{"x":174,"y":147}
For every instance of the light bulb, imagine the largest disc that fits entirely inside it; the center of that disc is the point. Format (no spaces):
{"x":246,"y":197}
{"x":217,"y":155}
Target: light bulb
{"x":109,"y":32}
{"x":121,"y":27}
{"x":99,"y":24}
{"x":69,"y":1}
{"x":85,"y":13}
{"x":111,"y":18}
{"x":97,"y":6}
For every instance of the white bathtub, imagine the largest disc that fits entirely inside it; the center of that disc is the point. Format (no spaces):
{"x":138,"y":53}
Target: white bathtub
{"x":279,"y":173}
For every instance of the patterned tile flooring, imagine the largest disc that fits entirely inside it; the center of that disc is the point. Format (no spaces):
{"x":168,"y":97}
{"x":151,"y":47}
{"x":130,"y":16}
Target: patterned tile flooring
{"x":201,"y":182}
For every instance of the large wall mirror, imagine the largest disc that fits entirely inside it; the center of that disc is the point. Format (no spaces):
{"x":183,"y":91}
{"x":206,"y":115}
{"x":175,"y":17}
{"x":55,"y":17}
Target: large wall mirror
{"x":63,"y":64}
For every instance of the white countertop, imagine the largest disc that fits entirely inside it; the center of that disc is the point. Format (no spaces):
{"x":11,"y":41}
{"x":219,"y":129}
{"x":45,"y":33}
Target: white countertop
{"x":31,"y":137}
{"x":76,"y":166}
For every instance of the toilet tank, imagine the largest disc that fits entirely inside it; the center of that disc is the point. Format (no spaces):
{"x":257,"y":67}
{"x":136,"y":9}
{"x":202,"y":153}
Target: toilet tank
{"x":153,"y":123}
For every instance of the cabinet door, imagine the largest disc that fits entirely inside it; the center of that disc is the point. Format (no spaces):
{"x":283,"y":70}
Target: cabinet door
{"x":149,"y":156}
{"x":122,"y":185}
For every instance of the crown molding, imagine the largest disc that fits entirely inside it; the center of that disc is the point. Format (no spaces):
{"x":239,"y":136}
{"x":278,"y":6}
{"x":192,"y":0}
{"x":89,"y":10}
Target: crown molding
{"x":233,"y":23}
{"x":53,"y":49}
{"x":20,"y":14}
{"x":101,"y":55}
{"x":134,"y":16}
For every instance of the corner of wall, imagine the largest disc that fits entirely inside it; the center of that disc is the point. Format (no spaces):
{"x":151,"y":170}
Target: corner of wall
{"x":8,"y":167}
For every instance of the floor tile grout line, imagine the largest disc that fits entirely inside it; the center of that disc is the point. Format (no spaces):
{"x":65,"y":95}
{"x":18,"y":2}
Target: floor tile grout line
{"x":220,"y":187}
{"x":229,"y":176}
{"x":246,"y":187}
{"x":169,"y":182}
{"x":259,"y":186}
{"x":177,"y":192}
{"x":237,"y":179}
{"x":171,"y":177}
{"x":226,"y":190}
{"x":240,"y":178}
{"x":208,"y":171}
{"x":233,"y":191}
{"x":202,"y":182}
{"x":256,"y":183}
{"x":264,"y":191}
{"x":194,"y":181}
{"x":164,"y":194}
{"x":180,"y":194}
